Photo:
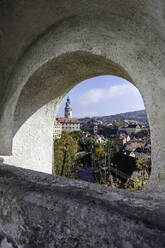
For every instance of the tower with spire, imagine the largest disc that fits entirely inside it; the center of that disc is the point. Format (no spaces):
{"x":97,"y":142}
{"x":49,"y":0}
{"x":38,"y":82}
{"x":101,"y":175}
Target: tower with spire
{"x":66,"y":123}
{"x":68,"y":109}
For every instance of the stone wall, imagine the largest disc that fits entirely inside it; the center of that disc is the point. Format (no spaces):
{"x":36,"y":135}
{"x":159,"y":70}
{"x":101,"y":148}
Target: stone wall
{"x":47,"y":47}
{"x":40,"y":210}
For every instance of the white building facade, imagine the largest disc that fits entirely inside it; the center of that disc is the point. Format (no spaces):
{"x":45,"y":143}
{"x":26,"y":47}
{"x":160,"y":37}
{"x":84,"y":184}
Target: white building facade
{"x":57,"y":130}
{"x":69,"y":124}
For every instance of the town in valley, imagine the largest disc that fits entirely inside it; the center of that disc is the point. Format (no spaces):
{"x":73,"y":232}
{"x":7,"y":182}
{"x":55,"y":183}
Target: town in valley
{"x":112,"y":150}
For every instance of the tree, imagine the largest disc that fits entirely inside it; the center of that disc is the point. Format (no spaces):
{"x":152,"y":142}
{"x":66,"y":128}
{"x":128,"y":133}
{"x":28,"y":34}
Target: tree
{"x":107,"y":131}
{"x":117,"y":124}
{"x":89,"y":144}
{"x":111,"y":148}
{"x":77,"y":135}
{"x":65,"y":150}
{"x":87,"y":126}
{"x":99,"y":151}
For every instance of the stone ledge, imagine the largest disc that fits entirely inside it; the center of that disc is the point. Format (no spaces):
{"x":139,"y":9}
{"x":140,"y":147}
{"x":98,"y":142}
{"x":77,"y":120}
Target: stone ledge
{"x":33,"y":205}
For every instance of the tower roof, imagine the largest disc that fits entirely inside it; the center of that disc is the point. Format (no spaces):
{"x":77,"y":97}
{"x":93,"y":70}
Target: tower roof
{"x":68,"y":109}
{"x":68,"y":104}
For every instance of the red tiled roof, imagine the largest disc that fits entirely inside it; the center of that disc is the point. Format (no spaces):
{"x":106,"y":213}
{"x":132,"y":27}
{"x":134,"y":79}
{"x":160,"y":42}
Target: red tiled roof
{"x":67,"y":120}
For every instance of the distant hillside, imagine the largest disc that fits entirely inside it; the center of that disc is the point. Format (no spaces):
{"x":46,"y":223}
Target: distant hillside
{"x":139,"y":115}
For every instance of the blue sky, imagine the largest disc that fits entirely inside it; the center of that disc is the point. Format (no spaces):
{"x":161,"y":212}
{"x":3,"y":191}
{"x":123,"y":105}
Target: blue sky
{"x":103,"y":95}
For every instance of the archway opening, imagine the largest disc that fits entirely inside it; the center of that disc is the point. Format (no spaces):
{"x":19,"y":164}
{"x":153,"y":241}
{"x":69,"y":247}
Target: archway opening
{"x":102,"y":135}
{"x":38,"y":101}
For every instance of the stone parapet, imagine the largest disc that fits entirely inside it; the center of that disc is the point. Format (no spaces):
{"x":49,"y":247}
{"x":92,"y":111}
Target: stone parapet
{"x":40,"y":210}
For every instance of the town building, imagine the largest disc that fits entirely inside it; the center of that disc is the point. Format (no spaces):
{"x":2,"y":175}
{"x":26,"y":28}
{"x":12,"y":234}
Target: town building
{"x":57,"y":130}
{"x":66,"y":123}
{"x":121,"y":140}
{"x":133,"y":128}
{"x":69,"y":124}
{"x":95,"y":127}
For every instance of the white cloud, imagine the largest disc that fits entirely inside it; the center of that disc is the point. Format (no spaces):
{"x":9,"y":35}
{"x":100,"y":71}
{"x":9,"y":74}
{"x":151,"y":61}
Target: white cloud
{"x":92,"y":96}
{"x":91,"y":114}
{"x":99,"y":95}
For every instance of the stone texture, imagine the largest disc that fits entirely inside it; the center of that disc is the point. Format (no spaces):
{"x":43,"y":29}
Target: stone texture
{"x":40,"y":210}
{"x":47,"y":47}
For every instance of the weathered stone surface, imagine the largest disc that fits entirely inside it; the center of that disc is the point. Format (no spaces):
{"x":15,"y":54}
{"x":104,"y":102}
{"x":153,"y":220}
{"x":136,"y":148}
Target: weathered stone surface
{"x":47,"y":47}
{"x":40,"y":210}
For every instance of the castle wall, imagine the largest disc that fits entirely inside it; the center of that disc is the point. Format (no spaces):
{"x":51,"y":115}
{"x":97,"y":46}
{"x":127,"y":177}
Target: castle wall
{"x":40,"y":210}
{"x":48,"y":47}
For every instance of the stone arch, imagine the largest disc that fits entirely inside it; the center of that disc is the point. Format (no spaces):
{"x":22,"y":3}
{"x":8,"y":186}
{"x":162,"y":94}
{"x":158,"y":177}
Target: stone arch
{"x":108,"y":48}
{"x":40,"y":98}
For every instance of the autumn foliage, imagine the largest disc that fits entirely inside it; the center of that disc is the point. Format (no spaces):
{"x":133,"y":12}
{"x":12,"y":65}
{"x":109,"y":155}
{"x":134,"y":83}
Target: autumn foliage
{"x":65,"y":150}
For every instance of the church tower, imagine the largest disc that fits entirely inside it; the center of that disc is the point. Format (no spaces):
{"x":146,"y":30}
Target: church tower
{"x":68,"y":109}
